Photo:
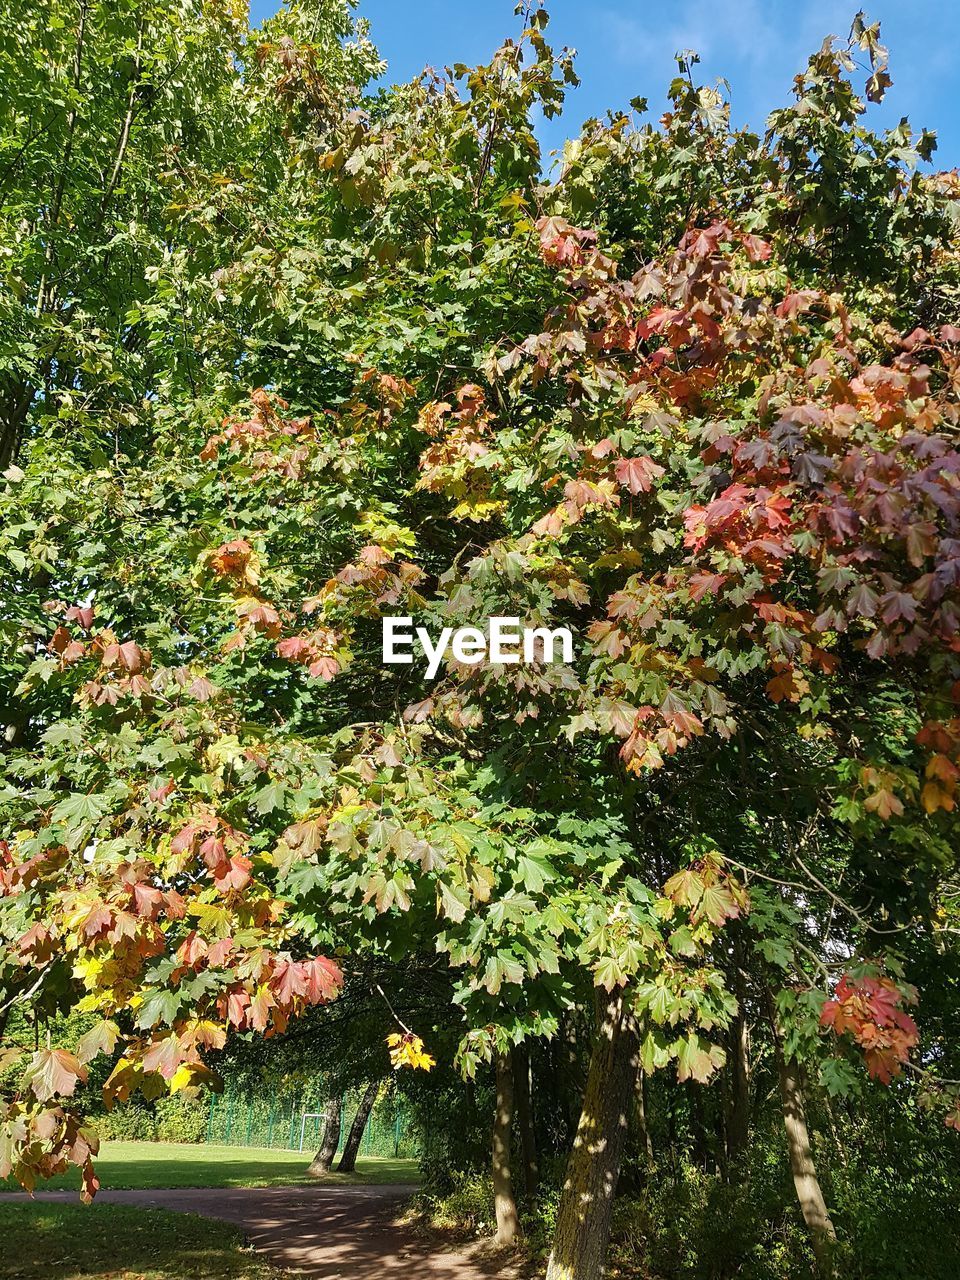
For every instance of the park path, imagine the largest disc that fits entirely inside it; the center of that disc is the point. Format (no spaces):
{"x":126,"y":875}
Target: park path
{"x":325,"y":1232}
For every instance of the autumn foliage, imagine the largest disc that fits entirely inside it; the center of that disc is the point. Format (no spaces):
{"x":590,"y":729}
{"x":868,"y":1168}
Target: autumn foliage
{"x":696,"y":398}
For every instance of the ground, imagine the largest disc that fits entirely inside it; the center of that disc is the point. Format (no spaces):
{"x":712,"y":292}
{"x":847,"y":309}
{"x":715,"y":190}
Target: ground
{"x":143,"y":1224}
{"x":171,"y":1164}
{"x":68,"y":1241}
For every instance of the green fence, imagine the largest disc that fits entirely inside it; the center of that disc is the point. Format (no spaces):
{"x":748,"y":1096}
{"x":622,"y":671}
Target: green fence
{"x":238,"y":1119}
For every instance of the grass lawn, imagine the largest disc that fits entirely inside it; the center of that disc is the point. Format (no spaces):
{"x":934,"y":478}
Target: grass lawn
{"x":174,"y":1164}
{"x":114,"y":1242}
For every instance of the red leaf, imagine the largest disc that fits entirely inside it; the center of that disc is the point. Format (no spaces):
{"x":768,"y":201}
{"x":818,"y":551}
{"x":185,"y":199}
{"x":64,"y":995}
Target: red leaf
{"x":637,"y":474}
{"x":164,"y":1056}
{"x":147,"y":901}
{"x":81,"y":614}
{"x":236,"y":876}
{"x":238,"y":1001}
{"x":757,"y":250}
{"x":324,"y":979}
{"x":289,"y":981}
{"x":98,"y":920}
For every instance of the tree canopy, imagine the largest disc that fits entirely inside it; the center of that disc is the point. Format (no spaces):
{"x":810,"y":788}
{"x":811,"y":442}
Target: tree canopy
{"x":285,"y":354}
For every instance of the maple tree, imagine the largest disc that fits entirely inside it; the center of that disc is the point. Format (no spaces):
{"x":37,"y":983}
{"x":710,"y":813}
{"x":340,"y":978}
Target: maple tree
{"x":678,"y":399}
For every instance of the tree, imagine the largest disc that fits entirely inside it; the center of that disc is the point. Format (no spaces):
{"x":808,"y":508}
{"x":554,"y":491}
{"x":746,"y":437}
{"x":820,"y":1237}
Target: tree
{"x":695,"y":400}
{"x":348,"y":1158}
{"x":332,"y":1118}
{"x":590,"y":1184}
{"x":505,"y":1205}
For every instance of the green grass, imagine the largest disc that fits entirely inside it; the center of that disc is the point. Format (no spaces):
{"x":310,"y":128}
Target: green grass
{"x":120,"y":1242}
{"x":171,"y":1164}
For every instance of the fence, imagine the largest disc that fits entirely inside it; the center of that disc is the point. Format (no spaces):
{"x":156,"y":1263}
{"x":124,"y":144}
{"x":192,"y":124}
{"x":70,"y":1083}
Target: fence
{"x":237,"y":1119}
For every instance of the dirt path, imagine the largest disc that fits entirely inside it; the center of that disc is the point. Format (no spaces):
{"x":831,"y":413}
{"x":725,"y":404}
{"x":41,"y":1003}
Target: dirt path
{"x":330,"y":1233}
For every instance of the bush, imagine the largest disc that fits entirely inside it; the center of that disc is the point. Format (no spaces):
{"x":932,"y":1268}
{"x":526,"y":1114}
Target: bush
{"x":693,"y":1226}
{"x":174,"y":1119}
{"x":181,"y":1119}
{"x":466,"y":1208}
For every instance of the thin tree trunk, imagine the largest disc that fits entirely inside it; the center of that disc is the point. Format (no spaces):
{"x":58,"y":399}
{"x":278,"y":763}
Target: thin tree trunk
{"x":643,"y":1107}
{"x":323,"y":1160}
{"x":348,"y":1160}
{"x":583,"y":1219}
{"x":698,"y":1128}
{"x":738,"y":1123}
{"x":572,"y":1069}
{"x":14,"y":408}
{"x":823,"y":1237}
{"x":524,"y":1113}
{"x":508,"y":1227}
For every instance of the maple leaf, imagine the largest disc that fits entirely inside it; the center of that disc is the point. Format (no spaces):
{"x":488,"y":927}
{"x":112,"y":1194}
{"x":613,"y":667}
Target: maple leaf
{"x":238,"y":1002}
{"x":54,"y":1072}
{"x":717,"y":904}
{"x":685,"y":888}
{"x":214,"y":853}
{"x":294,"y":648}
{"x":147,"y":901}
{"x":39,"y":943}
{"x":90,"y":1184}
{"x":289,"y":981}
{"x":863,"y":601}
{"x":202,"y":689}
{"x":128,"y":655}
{"x":407,"y":1050}
{"x":306,"y":836}
{"x":235,"y":876}
{"x":324,"y":979}
{"x":162,"y":791}
{"x":794,"y":303}
{"x":163,"y":1055}
{"x":98,"y":920}
{"x":884,"y":803}
{"x":758,"y":250}
{"x":59,"y":640}
{"x":637,"y":474}
{"x":99,"y":1039}
{"x":219,"y":952}
{"x":323,"y":668}
{"x":82,"y":615}
{"x":697,"y":1059}
{"x":261,"y":1003}
{"x":185,"y":840}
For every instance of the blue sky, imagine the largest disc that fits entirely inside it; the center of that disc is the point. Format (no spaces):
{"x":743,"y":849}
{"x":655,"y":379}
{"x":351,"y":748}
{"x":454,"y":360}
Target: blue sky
{"x":625,"y":49}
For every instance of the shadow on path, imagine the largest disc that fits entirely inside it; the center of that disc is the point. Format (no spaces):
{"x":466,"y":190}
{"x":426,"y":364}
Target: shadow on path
{"x":327,"y":1232}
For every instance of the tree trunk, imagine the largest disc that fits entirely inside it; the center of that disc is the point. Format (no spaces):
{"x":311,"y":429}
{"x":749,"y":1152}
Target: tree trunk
{"x":646,"y":1139}
{"x":348,"y":1160}
{"x":508,"y":1227}
{"x":823,"y":1237}
{"x":324,"y":1158}
{"x":14,"y":408}
{"x":738,"y":1122}
{"x":524,"y":1112}
{"x":698,"y":1129}
{"x":583,"y":1219}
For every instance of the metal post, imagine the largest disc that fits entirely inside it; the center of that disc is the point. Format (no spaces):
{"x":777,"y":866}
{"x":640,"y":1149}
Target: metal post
{"x":249,"y":1120}
{"x":213,"y":1098}
{"x":273,"y":1103}
{"x":230,"y":1102}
